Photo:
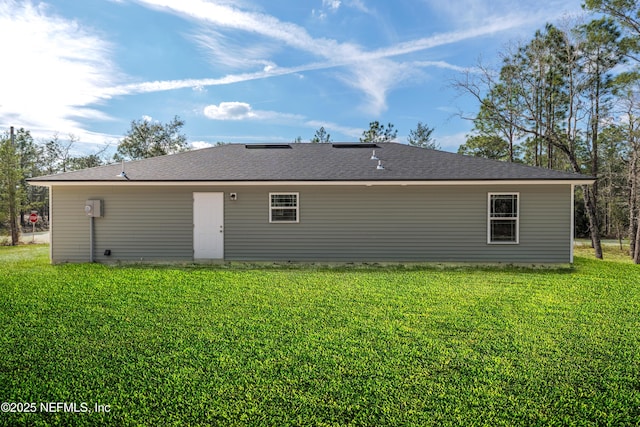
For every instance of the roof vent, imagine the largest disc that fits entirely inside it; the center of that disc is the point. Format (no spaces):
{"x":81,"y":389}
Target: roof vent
{"x":350,"y":145}
{"x":122,"y":174}
{"x":266,"y":146}
{"x":373,"y":155}
{"x":379,"y":167}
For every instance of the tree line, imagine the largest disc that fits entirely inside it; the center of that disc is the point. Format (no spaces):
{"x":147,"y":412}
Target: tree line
{"x":421,"y":136}
{"x":21,"y":158}
{"x":568,"y":99}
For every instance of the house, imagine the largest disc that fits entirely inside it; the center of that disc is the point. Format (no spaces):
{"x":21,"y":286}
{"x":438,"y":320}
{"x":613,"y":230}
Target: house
{"x":313,"y":202}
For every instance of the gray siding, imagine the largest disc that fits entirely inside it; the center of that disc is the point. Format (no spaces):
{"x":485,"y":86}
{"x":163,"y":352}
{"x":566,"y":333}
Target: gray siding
{"x":337,"y":223}
{"x":139,"y":223}
{"x":398,"y":224}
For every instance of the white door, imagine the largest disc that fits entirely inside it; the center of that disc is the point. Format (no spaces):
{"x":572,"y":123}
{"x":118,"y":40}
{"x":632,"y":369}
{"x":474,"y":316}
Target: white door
{"x":208,"y":225}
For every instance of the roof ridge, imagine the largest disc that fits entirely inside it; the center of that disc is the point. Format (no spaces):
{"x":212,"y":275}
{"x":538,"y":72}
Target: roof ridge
{"x":315,"y":162}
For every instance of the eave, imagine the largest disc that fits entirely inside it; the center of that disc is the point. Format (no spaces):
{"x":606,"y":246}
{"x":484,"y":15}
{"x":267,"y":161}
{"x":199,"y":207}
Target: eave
{"x":364,"y":183}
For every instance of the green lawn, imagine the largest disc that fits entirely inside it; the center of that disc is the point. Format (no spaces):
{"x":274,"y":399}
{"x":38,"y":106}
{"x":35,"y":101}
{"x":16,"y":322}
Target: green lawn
{"x":319,"y":346}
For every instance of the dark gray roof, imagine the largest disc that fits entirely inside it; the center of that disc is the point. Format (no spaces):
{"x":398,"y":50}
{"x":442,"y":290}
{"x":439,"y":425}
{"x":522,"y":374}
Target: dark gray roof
{"x":312,"y":162}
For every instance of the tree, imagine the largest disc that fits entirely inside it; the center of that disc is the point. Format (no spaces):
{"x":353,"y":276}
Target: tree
{"x":378,"y":133}
{"x":499,"y":89}
{"x":49,"y":155}
{"x":10,"y":177}
{"x":556,"y":99}
{"x":627,"y":14}
{"x":84,"y":162}
{"x":150,"y":139}
{"x":55,"y":155}
{"x":489,"y":147}
{"x":492,"y":138}
{"x":601,"y":53}
{"x":93,"y":160}
{"x":31,"y":197}
{"x":612,"y":182}
{"x":321,"y":136}
{"x":421,"y":137}
{"x":627,"y":134}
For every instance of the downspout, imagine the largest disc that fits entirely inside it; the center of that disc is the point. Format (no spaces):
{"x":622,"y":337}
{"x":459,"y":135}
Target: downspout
{"x":50,"y":189}
{"x":573,"y":222}
{"x":91,"y":239}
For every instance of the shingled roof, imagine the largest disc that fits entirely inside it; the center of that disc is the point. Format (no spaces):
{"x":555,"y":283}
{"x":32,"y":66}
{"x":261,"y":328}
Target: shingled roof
{"x":312,"y":162}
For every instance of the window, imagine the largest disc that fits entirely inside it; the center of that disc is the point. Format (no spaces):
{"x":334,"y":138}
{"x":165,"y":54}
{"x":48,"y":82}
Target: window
{"x":283,"y":207}
{"x":503,"y":226}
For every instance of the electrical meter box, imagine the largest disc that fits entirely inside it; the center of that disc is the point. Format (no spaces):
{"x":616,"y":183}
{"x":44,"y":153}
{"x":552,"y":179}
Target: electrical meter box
{"x":93,"y":208}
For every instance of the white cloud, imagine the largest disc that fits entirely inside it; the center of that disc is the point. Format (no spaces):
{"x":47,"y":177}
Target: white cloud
{"x":356,"y":62}
{"x":331,"y":128}
{"x":235,"y":110}
{"x":332,"y":5}
{"x":359,"y":5}
{"x":229,"y":111}
{"x":234,"y":54}
{"x":376,"y":78}
{"x":452,"y":142}
{"x":440,"y":64}
{"x":320,"y":14}
{"x":54,"y":69}
{"x":328,"y":6}
{"x":147,"y":118}
{"x":374,"y":82}
{"x":162,"y":85}
{"x":463,"y":13}
{"x":197,"y":145}
{"x":228,"y":17}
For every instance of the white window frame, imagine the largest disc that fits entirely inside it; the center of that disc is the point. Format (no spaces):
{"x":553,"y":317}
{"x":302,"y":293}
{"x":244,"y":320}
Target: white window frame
{"x":490,"y":218}
{"x":272,"y":208}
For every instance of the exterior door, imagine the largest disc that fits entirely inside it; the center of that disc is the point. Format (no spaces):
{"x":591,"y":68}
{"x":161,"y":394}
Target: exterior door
{"x":208,"y":225}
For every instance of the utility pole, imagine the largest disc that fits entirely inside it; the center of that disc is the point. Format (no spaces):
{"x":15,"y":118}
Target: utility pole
{"x":11,"y":184}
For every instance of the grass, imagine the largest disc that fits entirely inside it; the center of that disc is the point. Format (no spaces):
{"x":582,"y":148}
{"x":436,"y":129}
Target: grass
{"x":195,"y":345}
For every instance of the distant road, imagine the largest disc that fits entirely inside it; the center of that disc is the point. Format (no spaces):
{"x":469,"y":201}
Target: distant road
{"x":40,"y":237}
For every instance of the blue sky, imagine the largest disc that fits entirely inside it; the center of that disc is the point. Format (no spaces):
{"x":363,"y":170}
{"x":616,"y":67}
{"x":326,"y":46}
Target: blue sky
{"x":251,"y":71}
